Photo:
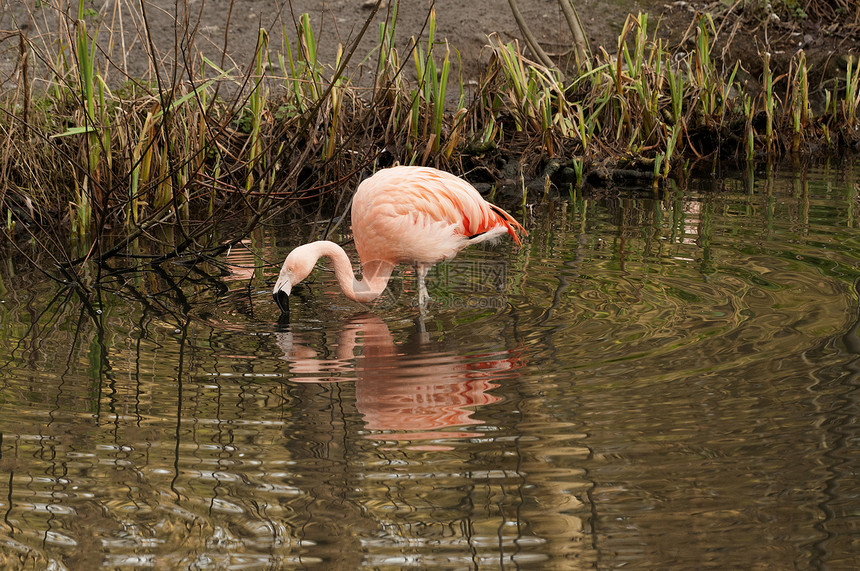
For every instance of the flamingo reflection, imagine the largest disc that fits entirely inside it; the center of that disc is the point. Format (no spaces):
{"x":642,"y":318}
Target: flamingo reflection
{"x":412,"y":388}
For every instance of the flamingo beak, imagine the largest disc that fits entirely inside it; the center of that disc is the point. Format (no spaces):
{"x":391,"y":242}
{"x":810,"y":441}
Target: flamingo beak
{"x":281,"y":293}
{"x":283,"y":301}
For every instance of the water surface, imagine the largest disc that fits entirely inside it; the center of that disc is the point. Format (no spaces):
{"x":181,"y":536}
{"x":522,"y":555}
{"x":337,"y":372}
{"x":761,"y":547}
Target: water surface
{"x":654,"y":381}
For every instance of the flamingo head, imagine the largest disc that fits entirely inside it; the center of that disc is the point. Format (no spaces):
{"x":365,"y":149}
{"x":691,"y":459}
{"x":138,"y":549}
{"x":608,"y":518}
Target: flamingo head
{"x":297,"y":266}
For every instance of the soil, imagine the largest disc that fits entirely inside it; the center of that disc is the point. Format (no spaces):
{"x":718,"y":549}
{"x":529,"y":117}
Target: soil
{"x":226,"y":32}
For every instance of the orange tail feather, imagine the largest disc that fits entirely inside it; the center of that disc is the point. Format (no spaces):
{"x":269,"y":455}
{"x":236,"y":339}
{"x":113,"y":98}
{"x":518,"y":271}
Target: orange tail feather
{"x":514,"y":227}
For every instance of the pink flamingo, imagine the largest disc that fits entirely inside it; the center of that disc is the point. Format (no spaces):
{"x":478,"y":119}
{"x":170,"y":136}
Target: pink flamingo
{"x":415,"y":215}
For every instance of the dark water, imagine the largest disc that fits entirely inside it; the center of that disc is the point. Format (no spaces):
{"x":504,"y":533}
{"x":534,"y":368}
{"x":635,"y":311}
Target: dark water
{"x":649,"y":383}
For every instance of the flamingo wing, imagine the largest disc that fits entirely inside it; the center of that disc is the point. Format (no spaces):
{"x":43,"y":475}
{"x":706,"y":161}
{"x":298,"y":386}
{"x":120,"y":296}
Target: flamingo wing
{"x":421,"y":214}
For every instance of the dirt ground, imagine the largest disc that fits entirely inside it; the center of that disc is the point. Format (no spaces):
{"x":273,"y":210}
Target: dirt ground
{"x":231,"y":28}
{"x":134,"y":34}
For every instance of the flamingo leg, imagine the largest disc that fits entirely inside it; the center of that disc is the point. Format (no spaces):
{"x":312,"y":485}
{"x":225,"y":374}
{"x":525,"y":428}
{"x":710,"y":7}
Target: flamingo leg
{"x":421,"y":327}
{"x":421,"y":272}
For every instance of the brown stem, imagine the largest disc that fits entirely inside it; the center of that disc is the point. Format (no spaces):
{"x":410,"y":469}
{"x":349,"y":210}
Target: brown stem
{"x":532,"y":43}
{"x":580,"y":43}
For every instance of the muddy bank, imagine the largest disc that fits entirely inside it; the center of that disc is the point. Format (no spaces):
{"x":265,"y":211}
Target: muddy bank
{"x":134,"y":36}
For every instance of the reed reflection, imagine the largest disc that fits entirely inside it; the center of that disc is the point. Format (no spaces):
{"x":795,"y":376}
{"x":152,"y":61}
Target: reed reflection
{"x":413,"y":389}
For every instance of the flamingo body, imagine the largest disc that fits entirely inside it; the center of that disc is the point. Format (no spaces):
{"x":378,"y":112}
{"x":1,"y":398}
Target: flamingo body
{"x":422,"y":215}
{"x":414,"y":215}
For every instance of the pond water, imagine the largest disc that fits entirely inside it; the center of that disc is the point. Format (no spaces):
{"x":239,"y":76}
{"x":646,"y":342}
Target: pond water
{"x":653,"y":381}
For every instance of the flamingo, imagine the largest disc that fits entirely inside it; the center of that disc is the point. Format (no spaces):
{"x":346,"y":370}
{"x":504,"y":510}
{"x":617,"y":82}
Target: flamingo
{"x":404,"y":214}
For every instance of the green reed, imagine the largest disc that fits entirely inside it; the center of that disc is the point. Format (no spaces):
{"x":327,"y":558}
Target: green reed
{"x":88,"y":81}
{"x":749,"y":132}
{"x":336,"y":107}
{"x":800,"y":110}
{"x":388,"y":62}
{"x":852,"y":91}
{"x":534,"y":96}
{"x":704,"y":68}
{"x":519,"y":79}
{"x":308,"y":45}
{"x":293,"y":83}
{"x":578,"y":166}
{"x":676,"y":94}
{"x":428,"y":98}
{"x":769,"y":101}
{"x":257,"y":106}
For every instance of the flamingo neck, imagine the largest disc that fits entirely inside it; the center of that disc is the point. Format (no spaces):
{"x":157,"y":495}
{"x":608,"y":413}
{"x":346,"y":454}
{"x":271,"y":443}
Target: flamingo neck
{"x":375,"y":274}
